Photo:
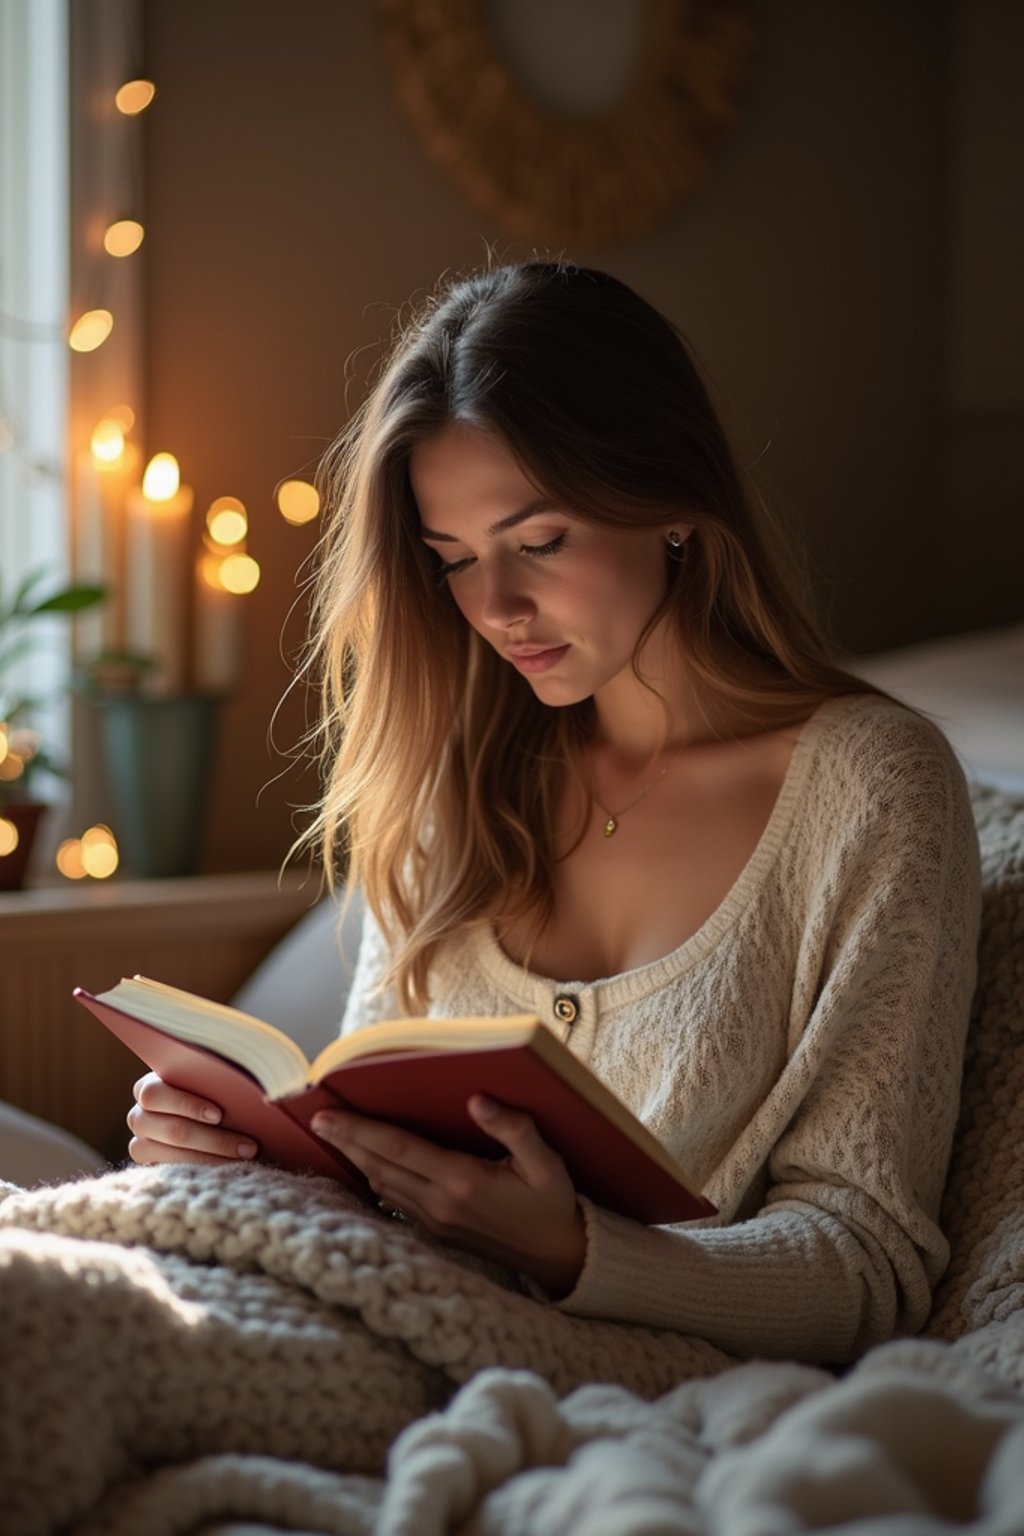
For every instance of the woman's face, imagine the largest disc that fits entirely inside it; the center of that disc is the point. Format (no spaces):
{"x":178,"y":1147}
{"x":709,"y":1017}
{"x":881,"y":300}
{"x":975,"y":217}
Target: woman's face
{"x":562,"y":600}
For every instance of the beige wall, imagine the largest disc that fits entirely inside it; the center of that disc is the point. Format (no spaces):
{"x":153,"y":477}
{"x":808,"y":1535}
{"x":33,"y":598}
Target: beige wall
{"x":834,"y":273}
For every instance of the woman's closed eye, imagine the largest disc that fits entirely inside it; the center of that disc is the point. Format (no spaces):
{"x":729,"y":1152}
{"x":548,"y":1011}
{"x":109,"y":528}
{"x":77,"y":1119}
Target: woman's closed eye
{"x":452,"y":568}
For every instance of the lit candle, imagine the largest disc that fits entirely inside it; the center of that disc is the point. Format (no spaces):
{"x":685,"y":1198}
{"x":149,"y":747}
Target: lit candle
{"x":218,"y":653}
{"x":158,"y":588}
{"x":101,"y":486}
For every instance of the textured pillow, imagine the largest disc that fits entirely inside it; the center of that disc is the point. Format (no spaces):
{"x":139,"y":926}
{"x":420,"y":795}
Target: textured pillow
{"x":983,"y":1207}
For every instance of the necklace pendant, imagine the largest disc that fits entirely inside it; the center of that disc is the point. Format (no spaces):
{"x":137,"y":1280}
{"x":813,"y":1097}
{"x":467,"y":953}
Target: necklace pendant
{"x":610,"y":826}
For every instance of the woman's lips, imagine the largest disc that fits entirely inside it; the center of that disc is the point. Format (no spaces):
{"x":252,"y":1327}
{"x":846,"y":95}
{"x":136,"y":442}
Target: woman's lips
{"x":536,"y":661}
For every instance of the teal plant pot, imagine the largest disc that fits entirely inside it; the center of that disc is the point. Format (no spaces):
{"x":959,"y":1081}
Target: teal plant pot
{"x":159,"y":758}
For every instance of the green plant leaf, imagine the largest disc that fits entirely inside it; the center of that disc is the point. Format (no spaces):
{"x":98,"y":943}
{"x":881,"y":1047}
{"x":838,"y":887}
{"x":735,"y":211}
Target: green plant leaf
{"x":69,"y":600}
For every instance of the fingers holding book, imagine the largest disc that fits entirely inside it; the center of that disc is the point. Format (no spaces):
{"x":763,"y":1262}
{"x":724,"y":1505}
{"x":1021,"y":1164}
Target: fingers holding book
{"x":169,"y":1125}
{"x":520,"y":1211}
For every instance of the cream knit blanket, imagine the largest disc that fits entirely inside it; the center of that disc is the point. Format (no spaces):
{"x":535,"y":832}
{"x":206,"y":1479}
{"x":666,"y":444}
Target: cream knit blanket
{"x":160,"y":1314}
{"x":232,"y":1352}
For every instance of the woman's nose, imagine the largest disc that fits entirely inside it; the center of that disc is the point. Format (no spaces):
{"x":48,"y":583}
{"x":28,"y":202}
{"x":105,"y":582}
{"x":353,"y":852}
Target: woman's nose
{"x":506,"y":600}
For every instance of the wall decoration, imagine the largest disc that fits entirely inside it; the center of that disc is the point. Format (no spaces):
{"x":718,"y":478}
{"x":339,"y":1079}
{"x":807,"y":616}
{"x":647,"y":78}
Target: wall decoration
{"x":559,"y":177}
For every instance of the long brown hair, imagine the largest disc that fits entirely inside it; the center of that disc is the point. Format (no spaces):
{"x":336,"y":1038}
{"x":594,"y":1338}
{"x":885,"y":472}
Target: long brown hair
{"x":441,"y":769}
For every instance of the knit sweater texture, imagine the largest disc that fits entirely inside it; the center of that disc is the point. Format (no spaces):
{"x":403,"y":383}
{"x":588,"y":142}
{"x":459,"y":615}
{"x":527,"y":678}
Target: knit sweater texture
{"x":800,"y":1054}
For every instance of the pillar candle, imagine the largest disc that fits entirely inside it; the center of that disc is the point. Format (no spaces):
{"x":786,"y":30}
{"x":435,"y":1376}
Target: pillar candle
{"x":218,"y":652}
{"x":159,"y":536}
{"x":99,"y":546}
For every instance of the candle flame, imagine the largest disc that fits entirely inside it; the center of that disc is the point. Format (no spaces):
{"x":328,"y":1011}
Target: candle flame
{"x":108,"y":441}
{"x":162,"y":478}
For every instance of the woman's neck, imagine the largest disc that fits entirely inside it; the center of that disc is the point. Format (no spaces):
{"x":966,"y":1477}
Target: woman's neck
{"x":635,"y":723}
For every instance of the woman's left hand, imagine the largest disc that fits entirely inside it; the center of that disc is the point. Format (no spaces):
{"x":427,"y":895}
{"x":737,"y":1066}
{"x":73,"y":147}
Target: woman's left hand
{"x":520,"y":1211}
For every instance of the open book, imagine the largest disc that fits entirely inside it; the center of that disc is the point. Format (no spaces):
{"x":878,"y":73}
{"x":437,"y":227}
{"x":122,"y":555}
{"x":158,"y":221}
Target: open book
{"x":417,"y":1073}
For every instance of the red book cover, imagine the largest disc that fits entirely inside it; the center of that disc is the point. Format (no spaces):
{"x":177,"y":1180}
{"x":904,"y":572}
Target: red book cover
{"x":246,"y":1109}
{"x":425,"y":1091}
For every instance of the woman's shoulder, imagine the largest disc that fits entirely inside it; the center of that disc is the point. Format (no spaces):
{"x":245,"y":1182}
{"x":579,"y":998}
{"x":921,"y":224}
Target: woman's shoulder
{"x":876,"y":734}
{"x":875,"y":760}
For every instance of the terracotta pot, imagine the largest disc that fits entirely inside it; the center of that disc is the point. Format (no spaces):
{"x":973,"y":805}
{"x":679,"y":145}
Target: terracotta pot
{"x":24,"y":816}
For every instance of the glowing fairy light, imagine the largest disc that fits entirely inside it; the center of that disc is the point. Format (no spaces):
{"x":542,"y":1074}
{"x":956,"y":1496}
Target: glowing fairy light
{"x":123,"y":238}
{"x":91,"y":330}
{"x":134,"y":96}
{"x":239,"y":574}
{"x":94,"y":854}
{"x":298,"y":501}
{"x":99,"y":852}
{"x":69,"y":859}
{"x":227,"y":522}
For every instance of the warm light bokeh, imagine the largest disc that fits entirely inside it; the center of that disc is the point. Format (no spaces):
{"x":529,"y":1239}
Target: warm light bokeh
{"x":226,"y":527}
{"x":9,"y":838}
{"x":12,"y":766}
{"x":91,"y":330}
{"x":95,"y":854}
{"x":99,"y":852}
{"x":107,"y":441}
{"x":69,"y":859}
{"x":134,"y":96}
{"x":239,"y":573}
{"x":123,"y":238}
{"x":209,"y":566}
{"x":123,"y":415}
{"x":4,"y":743}
{"x":298,"y":501}
{"x":162,"y":478}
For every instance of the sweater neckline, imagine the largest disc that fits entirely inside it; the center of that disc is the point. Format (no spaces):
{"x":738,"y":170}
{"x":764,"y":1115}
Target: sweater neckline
{"x":534,"y":991}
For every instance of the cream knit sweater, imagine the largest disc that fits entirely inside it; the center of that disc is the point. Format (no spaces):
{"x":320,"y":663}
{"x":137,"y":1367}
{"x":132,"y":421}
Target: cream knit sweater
{"x":800,"y":1054}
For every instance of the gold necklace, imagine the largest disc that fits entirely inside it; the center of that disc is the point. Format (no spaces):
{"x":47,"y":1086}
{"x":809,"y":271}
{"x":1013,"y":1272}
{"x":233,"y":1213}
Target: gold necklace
{"x":612,"y":818}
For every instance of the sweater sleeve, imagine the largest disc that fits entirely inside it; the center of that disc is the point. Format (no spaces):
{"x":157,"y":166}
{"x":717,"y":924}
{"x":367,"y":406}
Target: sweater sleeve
{"x":842,"y":1247}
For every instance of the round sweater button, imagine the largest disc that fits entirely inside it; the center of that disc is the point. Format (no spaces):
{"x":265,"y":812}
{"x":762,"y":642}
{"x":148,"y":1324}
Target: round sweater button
{"x":567,"y":1009}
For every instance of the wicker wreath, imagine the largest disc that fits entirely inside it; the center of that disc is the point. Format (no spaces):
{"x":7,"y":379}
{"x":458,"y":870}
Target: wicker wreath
{"x":544,"y":176}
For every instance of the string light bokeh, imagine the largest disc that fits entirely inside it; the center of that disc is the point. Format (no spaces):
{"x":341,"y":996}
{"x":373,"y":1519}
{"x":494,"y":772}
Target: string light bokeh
{"x":223,"y":567}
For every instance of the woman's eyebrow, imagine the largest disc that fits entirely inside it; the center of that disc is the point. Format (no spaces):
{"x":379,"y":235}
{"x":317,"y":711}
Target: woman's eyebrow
{"x":541,"y":504}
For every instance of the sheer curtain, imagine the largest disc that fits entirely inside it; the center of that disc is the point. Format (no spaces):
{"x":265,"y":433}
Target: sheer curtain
{"x":34,"y":287}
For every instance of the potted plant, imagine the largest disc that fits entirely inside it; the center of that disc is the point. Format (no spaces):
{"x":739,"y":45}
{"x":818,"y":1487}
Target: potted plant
{"x":24,"y":756}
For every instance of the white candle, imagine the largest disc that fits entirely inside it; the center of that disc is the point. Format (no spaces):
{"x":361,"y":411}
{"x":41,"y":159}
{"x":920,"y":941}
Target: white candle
{"x":218,"y":655}
{"x":159,"y":535}
{"x":99,"y":553}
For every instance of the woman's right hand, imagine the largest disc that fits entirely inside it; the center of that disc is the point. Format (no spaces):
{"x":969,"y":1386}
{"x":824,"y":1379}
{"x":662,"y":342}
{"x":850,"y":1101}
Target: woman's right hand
{"x":171,"y":1126}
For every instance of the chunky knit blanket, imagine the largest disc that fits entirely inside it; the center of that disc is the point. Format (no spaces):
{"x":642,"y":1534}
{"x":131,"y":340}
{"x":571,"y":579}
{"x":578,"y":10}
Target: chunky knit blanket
{"x":238,"y":1352}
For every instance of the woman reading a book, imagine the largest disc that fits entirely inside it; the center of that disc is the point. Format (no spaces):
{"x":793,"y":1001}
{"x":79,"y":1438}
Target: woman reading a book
{"x":590,"y":757}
